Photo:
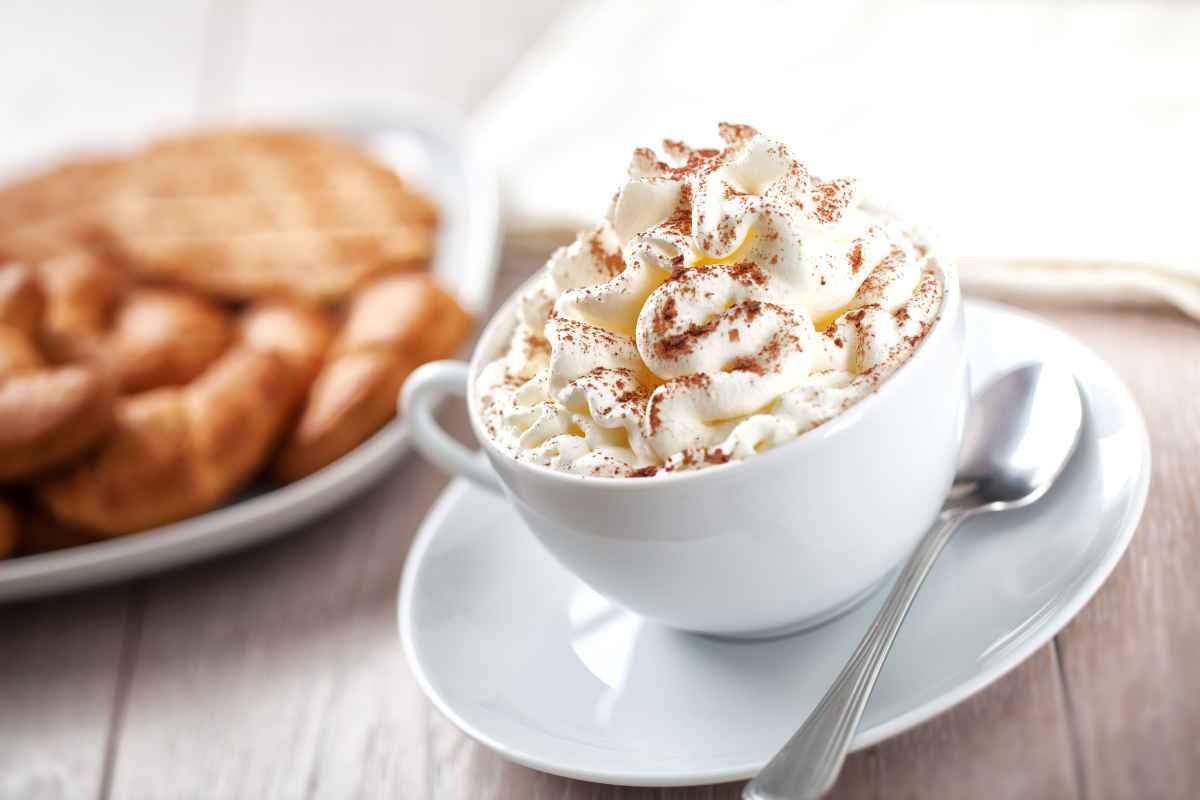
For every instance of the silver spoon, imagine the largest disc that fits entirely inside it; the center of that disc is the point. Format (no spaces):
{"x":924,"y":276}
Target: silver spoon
{"x":1022,"y":429}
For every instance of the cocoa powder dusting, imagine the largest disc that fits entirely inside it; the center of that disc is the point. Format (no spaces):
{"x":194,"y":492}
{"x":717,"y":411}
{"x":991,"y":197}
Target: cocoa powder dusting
{"x":747,"y":364}
{"x":612,"y":263}
{"x":680,"y":344}
{"x":832,"y":198}
{"x":653,"y":413}
{"x":734,"y":134}
{"x":856,"y":258}
{"x":680,"y":221}
{"x":665,"y":317}
{"x":676,"y":149}
{"x":748,"y":274}
{"x":634,"y":396}
{"x":716,"y":456}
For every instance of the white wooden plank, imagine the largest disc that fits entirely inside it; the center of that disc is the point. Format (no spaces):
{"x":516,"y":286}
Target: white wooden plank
{"x":278,"y":672}
{"x":1010,"y":741}
{"x":1130,"y":657}
{"x":59,"y":664}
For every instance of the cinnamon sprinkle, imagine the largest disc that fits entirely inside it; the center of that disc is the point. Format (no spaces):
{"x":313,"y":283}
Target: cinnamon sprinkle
{"x":747,"y":364}
{"x":856,"y":258}
{"x":748,"y":274}
{"x":832,"y":197}
{"x":680,"y":221}
{"x":612,"y":263}
{"x":733,"y":133}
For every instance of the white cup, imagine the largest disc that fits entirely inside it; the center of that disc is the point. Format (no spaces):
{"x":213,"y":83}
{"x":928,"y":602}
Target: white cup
{"x":783,"y":540}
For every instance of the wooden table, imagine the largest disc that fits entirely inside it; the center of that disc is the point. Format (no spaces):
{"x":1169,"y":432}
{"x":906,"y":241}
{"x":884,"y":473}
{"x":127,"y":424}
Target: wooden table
{"x":277,"y":672}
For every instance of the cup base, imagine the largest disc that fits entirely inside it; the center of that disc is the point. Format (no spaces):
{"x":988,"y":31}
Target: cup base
{"x":805,"y":624}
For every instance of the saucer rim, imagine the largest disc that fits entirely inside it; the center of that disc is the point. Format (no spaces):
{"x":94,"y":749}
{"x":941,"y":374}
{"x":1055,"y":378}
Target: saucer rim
{"x":1037,"y":636}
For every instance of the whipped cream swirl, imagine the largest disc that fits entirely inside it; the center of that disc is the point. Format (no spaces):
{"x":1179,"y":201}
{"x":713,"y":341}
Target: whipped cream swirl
{"x":728,"y":301}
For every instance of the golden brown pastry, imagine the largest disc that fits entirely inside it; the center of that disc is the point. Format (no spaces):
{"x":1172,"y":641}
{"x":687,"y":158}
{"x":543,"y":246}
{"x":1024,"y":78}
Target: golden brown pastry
{"x":317,"y":265}
{"x":48,"y":413}
{"x":81,"y":291}
{"x":51,"y":212}
{"x":51,"y":237}
{"x":131,"y":392}
{"x":17,"y":353}
{"x":240,"y":165}
{"x":248,"y":215}
{"x":179,"y":451}
{"x":21,"y":301}
{"x":299,"y":332}
{"x":149,"y":337}
{"x":53,"y":192}
{"x":164,"y":337}
{"x":394,"y":325}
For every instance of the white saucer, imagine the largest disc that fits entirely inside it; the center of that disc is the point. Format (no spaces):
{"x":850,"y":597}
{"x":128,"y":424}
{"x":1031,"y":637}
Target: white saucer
{"x":530,"y":662}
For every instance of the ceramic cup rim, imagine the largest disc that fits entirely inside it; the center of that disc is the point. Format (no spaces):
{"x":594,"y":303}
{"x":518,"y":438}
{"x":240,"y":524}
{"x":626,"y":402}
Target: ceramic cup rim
{"x":505,"y":317}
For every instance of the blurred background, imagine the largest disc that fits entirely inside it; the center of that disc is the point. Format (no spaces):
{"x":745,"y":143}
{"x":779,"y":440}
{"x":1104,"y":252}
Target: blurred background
{"x":1014,"y":128}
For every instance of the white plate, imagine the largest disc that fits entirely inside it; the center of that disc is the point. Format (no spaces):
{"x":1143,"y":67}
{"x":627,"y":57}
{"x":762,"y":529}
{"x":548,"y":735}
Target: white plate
{"x":422,"y":144}
{"x":527,"y":660}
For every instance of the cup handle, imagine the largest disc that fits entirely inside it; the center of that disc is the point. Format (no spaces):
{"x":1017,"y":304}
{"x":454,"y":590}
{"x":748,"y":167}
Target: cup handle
{"x":423,"y":390}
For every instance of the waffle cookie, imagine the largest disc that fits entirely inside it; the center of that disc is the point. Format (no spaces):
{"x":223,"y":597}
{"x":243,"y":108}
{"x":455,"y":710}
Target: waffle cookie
{"x":250,"y":215}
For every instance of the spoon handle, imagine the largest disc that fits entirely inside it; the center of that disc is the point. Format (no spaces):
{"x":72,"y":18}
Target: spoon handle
{"x":808,"y":765}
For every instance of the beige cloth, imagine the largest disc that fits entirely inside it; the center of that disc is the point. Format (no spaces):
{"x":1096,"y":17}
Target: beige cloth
{"x":1053,"y":146}
{"x":1085,"y":282}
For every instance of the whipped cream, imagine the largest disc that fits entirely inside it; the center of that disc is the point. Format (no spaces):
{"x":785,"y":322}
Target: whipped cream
{"x":729,"y":301}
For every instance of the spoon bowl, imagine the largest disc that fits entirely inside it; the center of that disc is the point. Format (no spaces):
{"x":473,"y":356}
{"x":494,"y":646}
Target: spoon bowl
{"x":1020,"y":434}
